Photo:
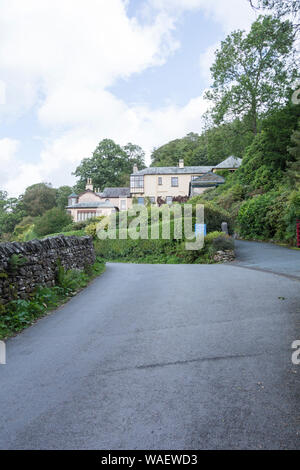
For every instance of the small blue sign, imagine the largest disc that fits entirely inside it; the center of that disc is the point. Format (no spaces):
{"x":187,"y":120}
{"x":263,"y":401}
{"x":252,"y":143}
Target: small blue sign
{"x":200,"y":229}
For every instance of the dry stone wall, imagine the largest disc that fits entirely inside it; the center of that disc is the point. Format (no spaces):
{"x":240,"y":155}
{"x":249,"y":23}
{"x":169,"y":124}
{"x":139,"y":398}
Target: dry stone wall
{"x":24,"y":266}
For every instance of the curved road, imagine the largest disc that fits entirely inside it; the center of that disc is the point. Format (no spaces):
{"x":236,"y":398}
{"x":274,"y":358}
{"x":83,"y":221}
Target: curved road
{"x":163,"y":357}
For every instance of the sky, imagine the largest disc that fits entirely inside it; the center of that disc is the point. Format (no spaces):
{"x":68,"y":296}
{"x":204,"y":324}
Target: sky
{"x":73,"y":72}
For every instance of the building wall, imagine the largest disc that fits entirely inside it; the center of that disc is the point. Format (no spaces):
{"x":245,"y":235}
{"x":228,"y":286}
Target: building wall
{"x":152,"y":188}
{"x":89,"y":197}
{"x":116,"y":201}
{"x":197,"y":191}
{"x":99,"y":212}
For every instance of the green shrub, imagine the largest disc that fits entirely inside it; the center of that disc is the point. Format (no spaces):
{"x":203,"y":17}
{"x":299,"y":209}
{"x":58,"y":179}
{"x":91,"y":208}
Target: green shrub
{"x":218,"y":241}
{"x":213,"y":215}
{"x":252,"y":218}
{"x":291,"y":214}
{"x":52,"y":221}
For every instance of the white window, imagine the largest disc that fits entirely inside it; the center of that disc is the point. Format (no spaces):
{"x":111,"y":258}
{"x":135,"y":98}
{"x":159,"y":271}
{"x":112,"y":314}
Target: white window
{"x":169,"y":199}
{"x":174,"y":181}
{"x":123,"y":205}
{"x":160,"y":182}
{"x":137,"y":182}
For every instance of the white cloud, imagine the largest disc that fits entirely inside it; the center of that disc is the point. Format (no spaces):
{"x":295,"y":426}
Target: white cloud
{"x":229,"y":14}
{"x":206,"y":60}
{"x":2,"y":92}
{"x":58,"y":58}
{"x":123,"y":124}
{"x":8,"y":148}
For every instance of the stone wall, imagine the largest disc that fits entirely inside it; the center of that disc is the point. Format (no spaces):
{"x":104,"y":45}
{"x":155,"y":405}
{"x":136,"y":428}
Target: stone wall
{"x":36,"y":263}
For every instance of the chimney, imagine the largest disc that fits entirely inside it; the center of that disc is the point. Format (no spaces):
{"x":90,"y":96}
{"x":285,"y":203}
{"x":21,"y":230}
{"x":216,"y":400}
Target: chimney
{"x":135,"y":168}
{"x":181,"y":163}
{"x":89,"y":185}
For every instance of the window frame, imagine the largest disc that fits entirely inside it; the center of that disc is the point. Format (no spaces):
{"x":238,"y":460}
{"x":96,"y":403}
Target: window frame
{"x":172,"y":181}
{"x":137,"y":182}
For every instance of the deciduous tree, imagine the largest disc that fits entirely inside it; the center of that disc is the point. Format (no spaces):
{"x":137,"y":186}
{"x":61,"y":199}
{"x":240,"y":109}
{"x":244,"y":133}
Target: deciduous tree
{"x":251,"y":73}
{"x":110,"y":165}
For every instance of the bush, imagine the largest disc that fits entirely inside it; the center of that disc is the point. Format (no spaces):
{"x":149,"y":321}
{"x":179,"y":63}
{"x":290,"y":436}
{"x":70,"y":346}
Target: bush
{"x":218,"y":241}
{"x":91,"y":228}
{"x":234,"y":194}
{"x":291,"y":214}
{"x":252,"y":218}
{"x":213,"y":215}
{"x":161,"y":251}
{"x":52,"y":221}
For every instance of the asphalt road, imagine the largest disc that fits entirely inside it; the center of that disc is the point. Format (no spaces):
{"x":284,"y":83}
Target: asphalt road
{"x":161,"y":357}
{"x":268,"y":257}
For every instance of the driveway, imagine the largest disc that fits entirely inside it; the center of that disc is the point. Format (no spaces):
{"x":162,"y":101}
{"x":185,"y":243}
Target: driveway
{"x":268,"y":257}
{"x":160,"y":357}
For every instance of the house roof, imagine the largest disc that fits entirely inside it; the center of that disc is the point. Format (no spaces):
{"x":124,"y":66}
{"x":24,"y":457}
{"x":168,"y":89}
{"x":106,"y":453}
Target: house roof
{"x":173,"y":170}
{"x":91,"y":205}
{"x":88,"y":191}
{"x":209,"y":179}
{"x":230,"y":162}
{"x":115,"y":192}
{"x":73,"y":195}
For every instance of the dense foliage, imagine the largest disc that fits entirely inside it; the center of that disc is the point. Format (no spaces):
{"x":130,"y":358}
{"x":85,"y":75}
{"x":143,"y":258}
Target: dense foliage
{"x":52,"y":221}
{"x":210,"y":148}
{"x":252,"y":74}
{"x":110,"y":165}
{"x":161,"y":251}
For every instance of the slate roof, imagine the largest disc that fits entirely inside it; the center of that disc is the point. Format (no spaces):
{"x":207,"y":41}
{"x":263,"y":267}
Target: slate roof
{"x":73,"y":195}
{"x":115,"y":192}
{"x":90,"y":205}
{"x":209,"y":179}
{"x":230,"y":162}
{"x":173,"y":170}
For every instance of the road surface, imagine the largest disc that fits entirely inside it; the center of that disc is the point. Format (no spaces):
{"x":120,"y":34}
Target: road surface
{"x":162,"y":357}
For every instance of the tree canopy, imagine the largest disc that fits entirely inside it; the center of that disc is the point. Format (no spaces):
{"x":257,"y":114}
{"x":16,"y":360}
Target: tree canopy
{"x":251,"y":73}
{"x":110,"y":165}
{"x":38,"y":198}
{"x":279,"y":7}
{"x":62,"y":194}
{"x":210,"y":148}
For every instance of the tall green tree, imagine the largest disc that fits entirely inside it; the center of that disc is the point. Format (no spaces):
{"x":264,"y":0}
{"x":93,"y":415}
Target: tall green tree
{"x":38,"y":198}
{"x":214,"y":145}
{"x":280,"y":8}
{"x":62,"y":194}
{"x":11,"y":213}
{"x":265,"y":160}
{"x":251,"y":73}
{"x":293,"y":170}
{"x":110,"y":165}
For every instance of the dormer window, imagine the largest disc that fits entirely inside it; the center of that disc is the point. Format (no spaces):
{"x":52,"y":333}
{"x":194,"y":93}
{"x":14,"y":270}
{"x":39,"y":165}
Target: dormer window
{"x":72,"y":199}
